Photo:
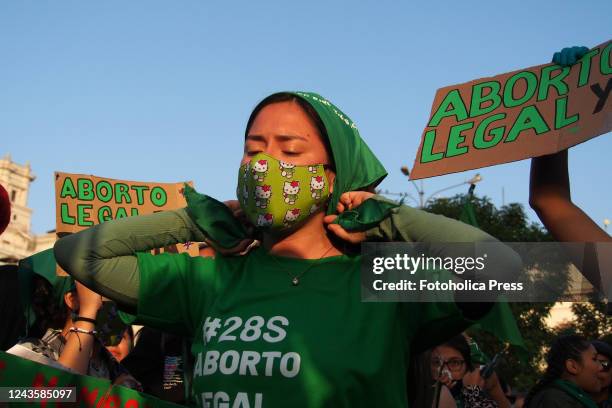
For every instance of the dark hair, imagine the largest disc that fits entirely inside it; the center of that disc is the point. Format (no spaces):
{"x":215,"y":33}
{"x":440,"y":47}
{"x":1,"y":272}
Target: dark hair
{"x":310,"y":111}
{"x":460,"y":344}
{"x":48,"y":312}
{"x":563,"y":348}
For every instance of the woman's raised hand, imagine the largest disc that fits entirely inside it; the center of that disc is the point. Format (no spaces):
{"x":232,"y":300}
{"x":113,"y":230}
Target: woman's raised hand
{"x":89,"y":301}
{"x":347,"y":202}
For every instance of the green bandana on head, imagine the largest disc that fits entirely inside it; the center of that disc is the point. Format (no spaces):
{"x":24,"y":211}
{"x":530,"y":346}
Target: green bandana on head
{"x":356,"y":167}
{"x":280,"y":195}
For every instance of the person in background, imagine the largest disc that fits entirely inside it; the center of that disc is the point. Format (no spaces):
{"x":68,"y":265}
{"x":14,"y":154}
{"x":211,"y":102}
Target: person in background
{"x":451,"y":364}
{"x":121,"y":349}
{"x":161,"y":363}
{"x":604,"y":356}
{"x":12,"y":320}
{"x":572,"y":374}
{"x":422,"y":389}
{"x":70,"y":341}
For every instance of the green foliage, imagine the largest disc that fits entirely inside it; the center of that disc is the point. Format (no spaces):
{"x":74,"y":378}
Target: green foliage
{"x":591,"y":322}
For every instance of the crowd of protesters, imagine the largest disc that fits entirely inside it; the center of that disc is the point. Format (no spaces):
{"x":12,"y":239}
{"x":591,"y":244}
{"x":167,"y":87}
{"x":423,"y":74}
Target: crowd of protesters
{"x":452,"y":374}
{"x":78,"y":328}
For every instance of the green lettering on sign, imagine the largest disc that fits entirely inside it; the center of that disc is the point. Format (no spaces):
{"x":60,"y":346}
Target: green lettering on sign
{"x":104,"y":214}
{"x":139,"y":193}
{"x":83,"y":215}
{"x":585,"y":67}
{"x":532,"y":84}
{"x":478,"y":98}
{"x":122,"y":193}
{"x":495,"y":135}
{"x":528,"y":118}
{"x":561,"y":119}
{"x":121,"y":213}
{"x":158,"y":196}
{"x":558,"y":81}
{"x":104,"y":191}
{"x":68,"y":189}
{"x":452,"y":105}
{"x":455,"y":138}
{"x":85,"y":187}
{"x":428,"y":141}
{"x":604,"y":62}
{"x":65,"y":214}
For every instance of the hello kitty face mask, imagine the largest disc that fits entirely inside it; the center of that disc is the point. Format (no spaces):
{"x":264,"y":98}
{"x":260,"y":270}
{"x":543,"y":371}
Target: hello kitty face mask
{"x":279,"y":195}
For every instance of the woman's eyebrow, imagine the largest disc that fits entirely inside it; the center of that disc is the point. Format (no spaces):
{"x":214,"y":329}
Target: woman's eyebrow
{"x":256,"y":138}
{"x":286,"y":138}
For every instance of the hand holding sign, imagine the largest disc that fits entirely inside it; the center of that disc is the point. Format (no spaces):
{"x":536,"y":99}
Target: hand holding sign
{"x":526,"y":113}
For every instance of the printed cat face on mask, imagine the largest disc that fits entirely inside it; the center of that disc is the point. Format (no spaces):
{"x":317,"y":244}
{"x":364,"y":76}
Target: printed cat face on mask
{"x":280,"y":195}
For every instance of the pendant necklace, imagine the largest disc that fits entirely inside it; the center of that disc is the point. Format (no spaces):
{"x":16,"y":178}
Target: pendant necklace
{"x":295,"y":280}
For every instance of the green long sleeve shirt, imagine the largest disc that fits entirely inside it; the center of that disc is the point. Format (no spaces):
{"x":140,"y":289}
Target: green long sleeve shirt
{"x":259,"y":341}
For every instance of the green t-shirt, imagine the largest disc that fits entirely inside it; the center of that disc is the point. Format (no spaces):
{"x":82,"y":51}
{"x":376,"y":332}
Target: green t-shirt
{"x":259,"y":341}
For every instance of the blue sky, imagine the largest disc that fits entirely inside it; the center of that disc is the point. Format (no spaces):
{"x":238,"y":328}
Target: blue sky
{"x":161,"y":90}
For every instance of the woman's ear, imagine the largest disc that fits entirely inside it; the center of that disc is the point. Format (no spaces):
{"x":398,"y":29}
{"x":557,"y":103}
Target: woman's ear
{"x":572,"y":366}
{"x":331,"y":177}
{"x":72,"y":300}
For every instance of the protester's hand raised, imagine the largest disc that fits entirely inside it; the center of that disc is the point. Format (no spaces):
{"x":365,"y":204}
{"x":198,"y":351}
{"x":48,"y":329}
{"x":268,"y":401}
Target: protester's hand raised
{"x":89,"y":301}
{"x":348,"y":201}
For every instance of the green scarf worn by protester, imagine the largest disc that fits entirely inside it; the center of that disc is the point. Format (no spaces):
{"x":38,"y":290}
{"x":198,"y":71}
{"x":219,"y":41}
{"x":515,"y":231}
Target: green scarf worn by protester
{"x":347,"y":148}
{"x":575,"y":392}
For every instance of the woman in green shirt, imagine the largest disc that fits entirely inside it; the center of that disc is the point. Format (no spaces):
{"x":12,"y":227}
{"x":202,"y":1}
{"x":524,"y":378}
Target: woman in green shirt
{"x":283,"y":325}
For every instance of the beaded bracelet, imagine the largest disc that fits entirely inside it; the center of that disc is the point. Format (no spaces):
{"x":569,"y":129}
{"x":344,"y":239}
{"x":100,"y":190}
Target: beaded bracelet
{"x":79,"y":330}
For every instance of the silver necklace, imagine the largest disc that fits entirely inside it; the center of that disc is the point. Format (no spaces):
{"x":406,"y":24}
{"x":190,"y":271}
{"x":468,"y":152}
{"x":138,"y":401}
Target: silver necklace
{"x":295,"y":280}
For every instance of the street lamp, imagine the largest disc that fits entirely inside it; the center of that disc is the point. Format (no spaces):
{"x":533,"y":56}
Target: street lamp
{"x":421,"y":191}
{"x":606,"y":223}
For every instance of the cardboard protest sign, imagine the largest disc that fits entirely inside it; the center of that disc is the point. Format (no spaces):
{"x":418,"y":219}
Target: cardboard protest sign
{"x":90,"y":392}
{"x":84,"y":200}
{"x":521,"y":114}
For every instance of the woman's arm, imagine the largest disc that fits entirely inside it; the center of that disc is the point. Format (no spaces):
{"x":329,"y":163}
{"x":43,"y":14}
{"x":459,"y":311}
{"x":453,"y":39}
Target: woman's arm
{"x":549,"y":196}
{"x":78,"y":348}
{"x":103,"y":257}
{"x":441,"y":236}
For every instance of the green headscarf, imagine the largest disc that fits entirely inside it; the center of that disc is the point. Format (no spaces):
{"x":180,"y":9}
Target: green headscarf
{"x":357,"y":168}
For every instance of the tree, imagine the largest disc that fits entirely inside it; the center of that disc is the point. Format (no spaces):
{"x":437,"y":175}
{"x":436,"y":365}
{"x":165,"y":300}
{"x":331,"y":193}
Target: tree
{"x":592,"y":321}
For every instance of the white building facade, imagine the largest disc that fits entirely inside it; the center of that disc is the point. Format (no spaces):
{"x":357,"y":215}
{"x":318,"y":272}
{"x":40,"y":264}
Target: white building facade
{"x":18,"y":241}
